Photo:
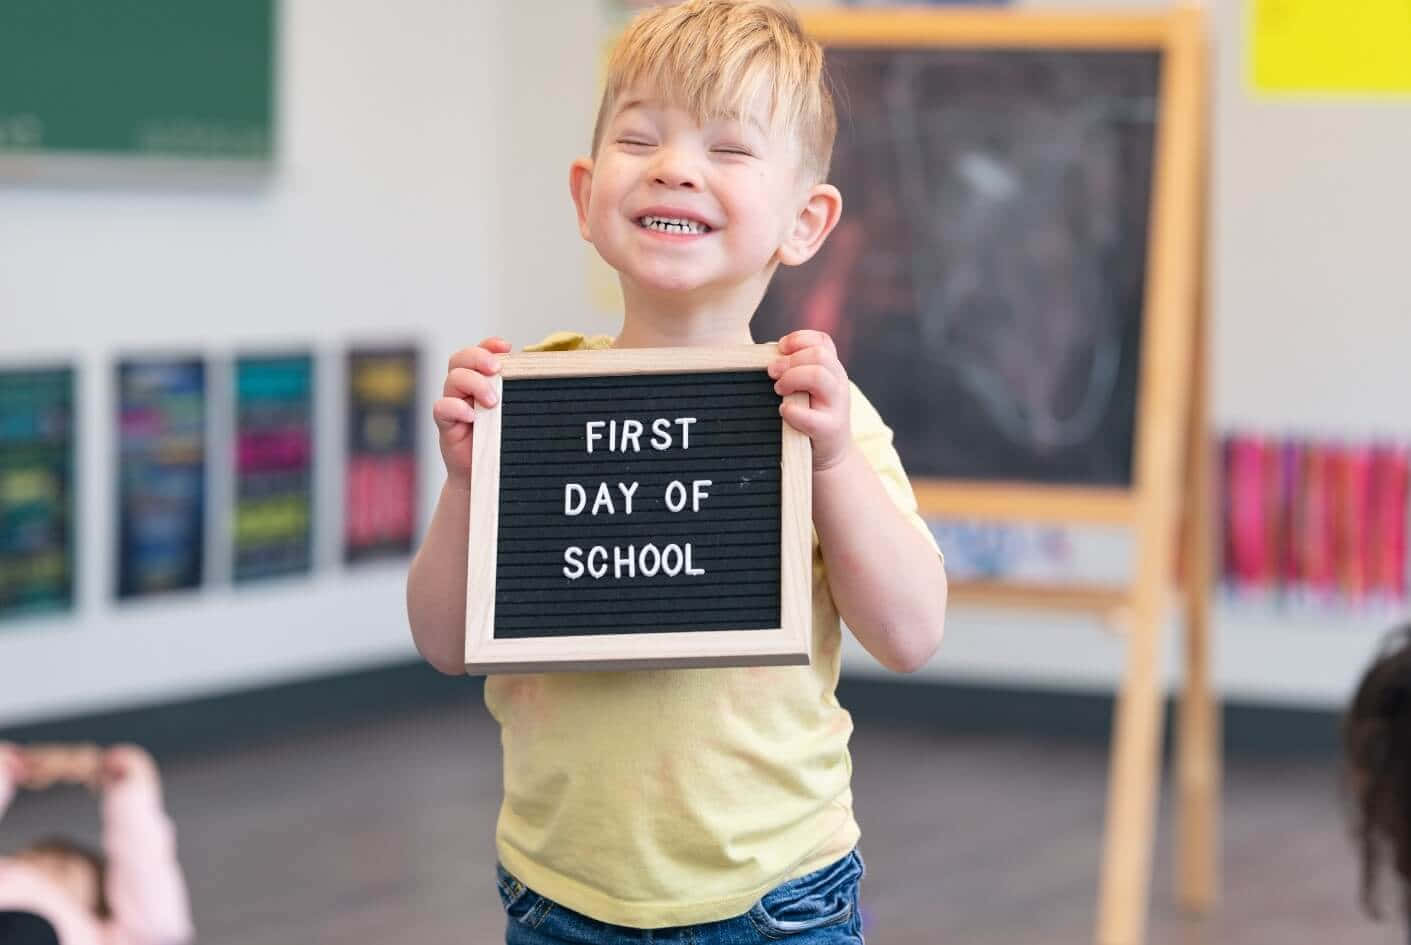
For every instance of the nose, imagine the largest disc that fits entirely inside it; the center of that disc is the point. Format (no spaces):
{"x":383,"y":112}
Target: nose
{"x":676,"y":170}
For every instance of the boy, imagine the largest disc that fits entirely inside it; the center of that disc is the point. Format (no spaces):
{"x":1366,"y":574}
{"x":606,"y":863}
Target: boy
{"x":713,"y":802}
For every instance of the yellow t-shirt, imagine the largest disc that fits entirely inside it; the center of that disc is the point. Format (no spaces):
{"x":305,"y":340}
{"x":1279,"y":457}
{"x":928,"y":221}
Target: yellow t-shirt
{"x":657,"y":798}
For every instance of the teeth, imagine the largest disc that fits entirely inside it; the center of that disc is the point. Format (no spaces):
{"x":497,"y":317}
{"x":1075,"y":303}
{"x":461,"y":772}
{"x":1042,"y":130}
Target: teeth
{"x":673,"y":225}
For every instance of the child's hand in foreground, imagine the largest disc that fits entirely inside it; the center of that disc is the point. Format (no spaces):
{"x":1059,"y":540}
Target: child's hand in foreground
{"x":47,"y":765}
{"x":13,"y":767}
{"x":124,"y":762}
{"x":808,"y":362}
{"x":467,"y":384}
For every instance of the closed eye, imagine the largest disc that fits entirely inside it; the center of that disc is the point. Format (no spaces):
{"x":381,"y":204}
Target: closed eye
{"x":634,"y":142}
{"x":728,"y":149}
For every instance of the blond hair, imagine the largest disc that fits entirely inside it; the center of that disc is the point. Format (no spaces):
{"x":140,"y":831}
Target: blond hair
{"x":715,"y":58}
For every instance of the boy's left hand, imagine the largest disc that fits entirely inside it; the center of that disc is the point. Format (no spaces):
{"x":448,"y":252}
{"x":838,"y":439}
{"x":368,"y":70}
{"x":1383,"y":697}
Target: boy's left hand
{"x":808,"y":363}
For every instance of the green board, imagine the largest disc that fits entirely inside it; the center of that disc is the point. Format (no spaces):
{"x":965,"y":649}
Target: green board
{"x":136,"y":78}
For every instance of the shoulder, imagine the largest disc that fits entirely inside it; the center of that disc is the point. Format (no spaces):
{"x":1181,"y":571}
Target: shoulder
{"x":570,"y":341}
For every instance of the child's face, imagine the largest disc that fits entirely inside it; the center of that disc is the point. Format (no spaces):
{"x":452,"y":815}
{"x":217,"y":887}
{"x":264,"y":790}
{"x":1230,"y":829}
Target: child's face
{"x":74,"y":874}
{"x":678,"y":207}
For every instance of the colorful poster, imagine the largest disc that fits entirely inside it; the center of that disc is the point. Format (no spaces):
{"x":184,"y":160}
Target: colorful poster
{"x":36,"y":490}
{"x":272,"y":532}
{"x":380,"y":498}
{"x":1330,"y":47}
{"x":1321,"y":523}
{"x":161,"y":475}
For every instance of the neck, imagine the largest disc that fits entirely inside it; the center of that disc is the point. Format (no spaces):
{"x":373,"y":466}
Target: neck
{"x":717,"y":316}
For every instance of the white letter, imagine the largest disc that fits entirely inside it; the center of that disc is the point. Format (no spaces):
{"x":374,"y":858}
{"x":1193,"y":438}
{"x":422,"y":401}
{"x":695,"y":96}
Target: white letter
{"x":661,"y":436}
{"x":667,"y":568}
{"x":631,"y":430}
{"x":685,"y":424}
{"x":569,"y":489}
{"x":602,"y":569}
{"x":573,"y":555}
{"x":656,"y":561}
{"x":627,"y":495}
{"x":690,"y":570}
{"x":604,"y":498}
{"x":594,"y":434}
{"x":618,"y":561}
{"x":681,"y":502}
{"x":699,"y":493}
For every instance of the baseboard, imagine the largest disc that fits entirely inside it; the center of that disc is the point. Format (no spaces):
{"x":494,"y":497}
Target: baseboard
{"x":222,"y":722}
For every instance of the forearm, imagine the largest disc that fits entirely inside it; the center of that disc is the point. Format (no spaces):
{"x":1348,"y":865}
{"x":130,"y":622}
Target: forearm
{"x":436,"y":583}
{"x":887,"y":580}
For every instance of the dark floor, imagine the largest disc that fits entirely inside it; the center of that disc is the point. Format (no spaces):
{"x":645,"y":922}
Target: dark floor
{"x":382,"y":834}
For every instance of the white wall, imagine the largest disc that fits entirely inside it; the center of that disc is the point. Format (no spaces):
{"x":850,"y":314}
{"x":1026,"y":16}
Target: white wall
{"x":422,"y":192}
{"x":380,"y":222}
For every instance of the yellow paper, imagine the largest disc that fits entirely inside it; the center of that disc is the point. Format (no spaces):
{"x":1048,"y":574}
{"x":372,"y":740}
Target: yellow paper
{"x":1335,"y":47}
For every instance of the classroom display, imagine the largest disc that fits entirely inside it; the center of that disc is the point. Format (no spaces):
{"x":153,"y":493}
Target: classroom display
{"x":189,"y":79}
{"x":272,"y":533}
{"x":161,"y":489}
{"x":381,"y":493}
{"x":1311,"y":523}
{"x":622,"y":498}
{"x":36,"y":490}
{"x":985,"y":285}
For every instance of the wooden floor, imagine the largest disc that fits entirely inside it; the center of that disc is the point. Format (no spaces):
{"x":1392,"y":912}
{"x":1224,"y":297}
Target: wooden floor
{"x":381,"y":832}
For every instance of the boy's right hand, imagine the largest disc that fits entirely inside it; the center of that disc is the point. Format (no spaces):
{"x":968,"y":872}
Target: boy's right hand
{"x":467,"y":384}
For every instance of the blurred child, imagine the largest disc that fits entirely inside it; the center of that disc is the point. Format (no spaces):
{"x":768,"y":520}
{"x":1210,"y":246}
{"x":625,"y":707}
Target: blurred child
{"x":131,"y":894}
{"x":714,"y":801}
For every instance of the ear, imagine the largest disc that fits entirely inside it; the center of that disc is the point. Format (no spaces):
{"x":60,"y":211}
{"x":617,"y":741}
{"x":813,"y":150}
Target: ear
{"x":816,"y":219}
{"x":580,"y":185}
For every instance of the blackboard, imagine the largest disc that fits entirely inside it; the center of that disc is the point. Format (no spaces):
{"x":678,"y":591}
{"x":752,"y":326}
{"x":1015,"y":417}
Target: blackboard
{"x":986,"y":284}
{"x":639,"y":506}
{"x":169,"y":78}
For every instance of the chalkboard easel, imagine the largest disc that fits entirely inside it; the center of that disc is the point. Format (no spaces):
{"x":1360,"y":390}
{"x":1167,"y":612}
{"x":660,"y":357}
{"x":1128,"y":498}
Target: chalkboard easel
{"x":638,"y":508}
{"x":1020,"y":132}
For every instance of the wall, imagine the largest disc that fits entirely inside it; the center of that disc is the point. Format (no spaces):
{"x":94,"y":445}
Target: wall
{"x":423,"y":192}
{"x":381,"y":222}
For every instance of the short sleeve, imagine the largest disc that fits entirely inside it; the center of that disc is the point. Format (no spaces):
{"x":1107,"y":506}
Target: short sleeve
{"x":874,"y":438}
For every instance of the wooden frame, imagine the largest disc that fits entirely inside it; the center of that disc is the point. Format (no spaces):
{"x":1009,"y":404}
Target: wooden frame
{"x":1172,"y":479}
{"x":783,"y":645}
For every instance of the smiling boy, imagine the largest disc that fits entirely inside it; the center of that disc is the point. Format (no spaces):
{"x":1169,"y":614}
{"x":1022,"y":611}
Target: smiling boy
{"x":715,"y":803}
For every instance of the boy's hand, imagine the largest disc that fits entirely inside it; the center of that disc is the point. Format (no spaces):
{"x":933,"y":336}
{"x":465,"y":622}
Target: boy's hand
{"x":122,"y":762}
{"x":47,"y":765}
{"x":808,"y":362}
{"x":467,"y":384}
{"x":13,"y":766}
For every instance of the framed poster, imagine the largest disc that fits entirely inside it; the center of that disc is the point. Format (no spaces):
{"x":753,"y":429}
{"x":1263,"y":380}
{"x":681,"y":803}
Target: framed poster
{"x":380,"y":497}
{"x":272,"y":532}
{"x":36,"y":490}
{"x":161,"y":494}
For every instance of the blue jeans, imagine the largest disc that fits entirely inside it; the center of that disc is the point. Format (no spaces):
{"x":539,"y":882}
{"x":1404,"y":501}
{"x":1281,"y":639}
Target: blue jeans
{"x":817,"y":909}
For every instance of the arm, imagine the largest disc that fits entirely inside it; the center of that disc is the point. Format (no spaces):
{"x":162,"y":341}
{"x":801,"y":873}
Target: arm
{"x":11,"y":773}
{"x":888,"y":581}
{"x":436,"y":581}
{"x":885,"y":575}
{"x":145,"y":887}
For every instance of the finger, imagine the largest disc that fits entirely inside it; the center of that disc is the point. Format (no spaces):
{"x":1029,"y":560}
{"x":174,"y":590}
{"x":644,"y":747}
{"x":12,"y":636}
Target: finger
{"x":810,"y":421}
{"x":476,"y":359}
{"x":496,"y":344}
{"x":816,"y":354}
{"x":463,"y":382}
{"x":813,"y":379}
{"x":806,"y":338}
{"x":451,"y":412}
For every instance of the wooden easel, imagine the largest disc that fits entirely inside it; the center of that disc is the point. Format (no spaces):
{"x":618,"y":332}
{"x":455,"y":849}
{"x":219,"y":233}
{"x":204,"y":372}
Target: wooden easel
{"x":1169,"y":506}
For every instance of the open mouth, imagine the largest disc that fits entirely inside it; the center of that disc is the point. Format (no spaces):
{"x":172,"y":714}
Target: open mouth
{"x":678,"y":225}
